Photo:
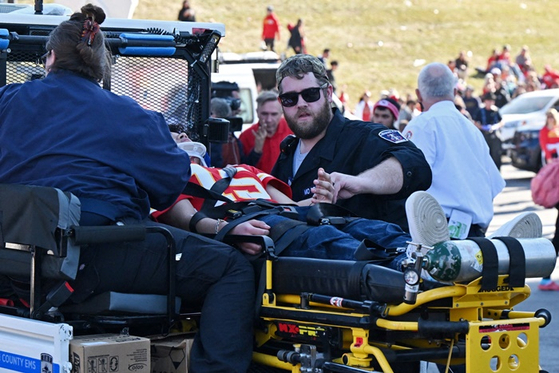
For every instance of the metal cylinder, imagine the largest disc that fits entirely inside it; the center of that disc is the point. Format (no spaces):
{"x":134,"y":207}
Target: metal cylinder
{"x":463,"y":260}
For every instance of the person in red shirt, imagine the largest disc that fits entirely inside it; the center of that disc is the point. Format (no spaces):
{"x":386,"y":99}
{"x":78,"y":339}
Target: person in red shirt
{"x":261,"y":141}
{"x":199,"y":212}
{"x":549,"y":135}
{"x":550,"y":77}
{"x":270,"y":28}
{"x":504,"y":57}
{"x":493,"y":58}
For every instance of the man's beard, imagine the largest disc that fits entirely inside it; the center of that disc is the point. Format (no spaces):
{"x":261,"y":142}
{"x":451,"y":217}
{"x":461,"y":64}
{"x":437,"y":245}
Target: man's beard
{"x":310,"y":130}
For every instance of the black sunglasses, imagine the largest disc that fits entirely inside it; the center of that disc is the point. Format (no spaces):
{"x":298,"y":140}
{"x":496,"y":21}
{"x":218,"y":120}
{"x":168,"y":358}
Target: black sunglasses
{"x":290,"y":99}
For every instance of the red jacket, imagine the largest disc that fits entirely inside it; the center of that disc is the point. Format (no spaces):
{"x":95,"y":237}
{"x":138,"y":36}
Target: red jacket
{"x":549,"y":137}
{"x":271,"y":27}
{"x":550,"y":78}
{"x":271,"y":149}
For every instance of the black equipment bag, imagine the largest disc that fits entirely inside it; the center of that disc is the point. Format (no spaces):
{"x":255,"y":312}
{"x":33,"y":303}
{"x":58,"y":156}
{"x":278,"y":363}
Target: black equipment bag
{"x":38,"y":216}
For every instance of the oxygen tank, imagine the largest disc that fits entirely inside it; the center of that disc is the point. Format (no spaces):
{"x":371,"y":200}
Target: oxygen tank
{"x":458,"y":261}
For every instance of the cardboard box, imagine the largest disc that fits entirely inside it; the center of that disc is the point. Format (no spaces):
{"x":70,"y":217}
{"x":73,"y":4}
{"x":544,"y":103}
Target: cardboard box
{"x":171,"y":354}
{"x":110,"y":353}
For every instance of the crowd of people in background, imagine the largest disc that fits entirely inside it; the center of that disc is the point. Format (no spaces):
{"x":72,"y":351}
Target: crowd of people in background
{"x":504,"y":78}
{"x":503,"y":75}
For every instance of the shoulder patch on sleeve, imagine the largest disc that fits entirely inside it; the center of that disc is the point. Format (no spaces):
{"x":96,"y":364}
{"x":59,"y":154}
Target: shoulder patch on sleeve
{"x":408,"y":135}
{"x":392,"y":135}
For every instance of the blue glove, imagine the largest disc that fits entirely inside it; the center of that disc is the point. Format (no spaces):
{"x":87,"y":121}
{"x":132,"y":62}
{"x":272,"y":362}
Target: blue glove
{"x":486,"y":127}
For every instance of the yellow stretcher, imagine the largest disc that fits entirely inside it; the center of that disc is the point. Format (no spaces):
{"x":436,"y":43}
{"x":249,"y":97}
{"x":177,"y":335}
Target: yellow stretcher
{"x":451,"y":325}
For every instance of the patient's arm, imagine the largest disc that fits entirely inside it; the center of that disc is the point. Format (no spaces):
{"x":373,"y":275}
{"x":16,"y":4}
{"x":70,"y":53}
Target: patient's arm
{"x":180,"y":214}
{"x":323,"y":191}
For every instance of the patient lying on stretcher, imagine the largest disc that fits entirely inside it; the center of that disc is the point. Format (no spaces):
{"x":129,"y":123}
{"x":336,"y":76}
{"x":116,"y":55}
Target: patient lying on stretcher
{"x":243,"y":183}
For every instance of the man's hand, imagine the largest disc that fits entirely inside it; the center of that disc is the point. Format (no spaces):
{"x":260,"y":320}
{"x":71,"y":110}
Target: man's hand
{"x":259,"y":138}
{"x":323,"y":190}
{"x":345,"y":186}
{"x":251,"y":228}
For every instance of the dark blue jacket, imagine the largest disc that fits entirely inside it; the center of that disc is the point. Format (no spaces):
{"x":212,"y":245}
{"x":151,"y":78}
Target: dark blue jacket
{"x":65,"y":131}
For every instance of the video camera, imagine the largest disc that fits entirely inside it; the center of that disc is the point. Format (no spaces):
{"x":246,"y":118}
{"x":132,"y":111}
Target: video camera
{"x":227,"y":91}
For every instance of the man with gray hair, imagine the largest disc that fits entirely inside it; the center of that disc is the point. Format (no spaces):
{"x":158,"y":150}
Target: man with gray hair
{"x":465,"y":179}
{"x":261,"y":142}
{"x":220,"y":108}
{"x":373,"y":169}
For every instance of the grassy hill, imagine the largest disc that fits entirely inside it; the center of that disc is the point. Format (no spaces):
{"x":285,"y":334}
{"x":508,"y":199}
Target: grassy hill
{"x":380,"y":43}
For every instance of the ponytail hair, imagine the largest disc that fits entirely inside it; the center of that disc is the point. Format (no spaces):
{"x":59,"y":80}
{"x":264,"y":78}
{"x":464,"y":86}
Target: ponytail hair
{"x":79,"y":44}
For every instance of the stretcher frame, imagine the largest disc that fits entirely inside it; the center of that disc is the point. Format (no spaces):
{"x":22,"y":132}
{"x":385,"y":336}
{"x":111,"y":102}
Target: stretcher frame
{"x":478,"y":329}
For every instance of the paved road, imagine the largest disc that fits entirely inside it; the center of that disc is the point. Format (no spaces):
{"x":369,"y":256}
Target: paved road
{"x":514,"y":199}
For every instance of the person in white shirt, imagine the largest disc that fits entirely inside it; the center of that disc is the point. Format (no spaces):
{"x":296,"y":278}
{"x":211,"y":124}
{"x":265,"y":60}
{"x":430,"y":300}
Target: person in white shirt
{"x":465,"y":178}
{"x":364,"y":108}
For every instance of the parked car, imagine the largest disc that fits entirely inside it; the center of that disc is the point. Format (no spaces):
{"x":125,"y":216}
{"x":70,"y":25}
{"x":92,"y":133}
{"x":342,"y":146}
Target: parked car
{"x":526,"y":153}
{"x":527,"y":110}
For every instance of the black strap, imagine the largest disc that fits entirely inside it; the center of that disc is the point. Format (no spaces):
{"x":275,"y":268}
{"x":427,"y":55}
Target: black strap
{"x":194,"y":220}
{"x":196,"y":190}
{"x":57,"y":295}
{"x":219,"y":186}
{"x":327,"y":213}
{"x":371,"y":251}
{"x":233,"y":223}
{"x":517,"y":262}
{"x":279,"y":229}
{"x":285,"y":232}
{"x":490,"y":271}
{"x":211,"y":196}
{"x":354,"y":280}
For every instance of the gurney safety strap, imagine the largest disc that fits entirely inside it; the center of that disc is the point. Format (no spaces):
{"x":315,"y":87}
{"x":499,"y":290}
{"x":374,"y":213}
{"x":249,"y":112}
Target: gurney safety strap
{"x":354,"y":280}
{"x":517,"y":262}
{"x":490,"y":271}
{"x":285,"y":232}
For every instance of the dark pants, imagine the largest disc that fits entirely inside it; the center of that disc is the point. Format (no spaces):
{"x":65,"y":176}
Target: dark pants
{"x":330,"y":242}
{"x":210,"y":274}
{"x":476,"y":231}
{"x":270,"y":44}
{"x":495,"y":147}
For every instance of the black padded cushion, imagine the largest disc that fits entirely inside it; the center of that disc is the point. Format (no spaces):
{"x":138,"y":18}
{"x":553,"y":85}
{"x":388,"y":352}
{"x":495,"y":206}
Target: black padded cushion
{"x":334,"y":278}
{"x":112,"y":301}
